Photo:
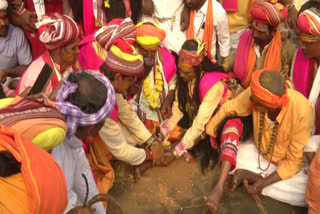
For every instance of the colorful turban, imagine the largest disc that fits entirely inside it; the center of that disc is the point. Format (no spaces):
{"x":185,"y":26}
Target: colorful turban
{"x":192,"y":58}
{"x":309,"y":22}
{"x":268,"y":13}
{"x":149,"y":35}
{"x":265,"y":97}
{"x":73,"y":115}
{"x":59,"y":32}
{"x":117,"y":28}
{"x":3,"y":4}
{"x":117,"y":39}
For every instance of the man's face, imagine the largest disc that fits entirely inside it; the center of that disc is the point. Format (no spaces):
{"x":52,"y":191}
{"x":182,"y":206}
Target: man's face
{"x":4,"y":23}
{"x":70,"y":53}
{"x":195,"y":4}
{"x":310,"y":45}
{"x":187,"y":73}
{"x":261,"y":33}
{"x":123,"y":83}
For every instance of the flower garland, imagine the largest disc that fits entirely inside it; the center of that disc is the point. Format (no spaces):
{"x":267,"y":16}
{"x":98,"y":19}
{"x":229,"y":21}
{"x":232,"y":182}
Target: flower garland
{"x":153,"y":95}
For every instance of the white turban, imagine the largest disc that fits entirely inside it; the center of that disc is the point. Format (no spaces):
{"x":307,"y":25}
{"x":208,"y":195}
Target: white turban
{"x":3,"y":4}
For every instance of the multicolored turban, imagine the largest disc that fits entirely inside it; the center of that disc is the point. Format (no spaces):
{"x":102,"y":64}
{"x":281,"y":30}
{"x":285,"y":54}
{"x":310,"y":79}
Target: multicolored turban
{"x":149,"y":35}
{"x":309,"y":22}
{"x":121,"y":57}
{"x":59,"y":32}
{"x":265,"y":97}
{"x":268,"y":13}
{"x":3,"y":4}
{"x":189,"y":58}
{"x":73,"y":115}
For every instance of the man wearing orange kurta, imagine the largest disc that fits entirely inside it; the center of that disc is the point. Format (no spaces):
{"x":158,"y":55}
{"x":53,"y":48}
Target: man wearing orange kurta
{"x":37,"y":185}
{"x":282,"y":125}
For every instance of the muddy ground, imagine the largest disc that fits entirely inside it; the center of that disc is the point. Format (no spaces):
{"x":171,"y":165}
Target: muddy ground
{"x":178,"y":189}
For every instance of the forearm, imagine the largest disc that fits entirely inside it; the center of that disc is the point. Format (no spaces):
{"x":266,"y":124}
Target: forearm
{"x":271,"y":179}
{"x":16,"y":71}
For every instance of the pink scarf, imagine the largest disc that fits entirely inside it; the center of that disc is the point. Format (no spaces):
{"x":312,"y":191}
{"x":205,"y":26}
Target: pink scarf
{"x":168,"y":64}
{"x":230,"y":5}
{"x":240,"y":67}
{"x":208,"y":80}
{"x":302,"y":67}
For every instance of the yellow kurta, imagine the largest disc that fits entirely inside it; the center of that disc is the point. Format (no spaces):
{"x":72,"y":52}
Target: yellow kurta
{"x":294,"y":131}
{"x":208,"y":105}
{"x":122,"y":136}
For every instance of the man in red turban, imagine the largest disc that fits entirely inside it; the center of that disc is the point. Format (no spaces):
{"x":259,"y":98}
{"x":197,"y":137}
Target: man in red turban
{"x":282,"y":124}
{"x":61,"y":37}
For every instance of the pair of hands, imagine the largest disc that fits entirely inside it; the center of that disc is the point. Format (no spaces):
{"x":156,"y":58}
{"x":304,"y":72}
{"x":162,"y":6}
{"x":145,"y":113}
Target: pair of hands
{"x":254,"y":188}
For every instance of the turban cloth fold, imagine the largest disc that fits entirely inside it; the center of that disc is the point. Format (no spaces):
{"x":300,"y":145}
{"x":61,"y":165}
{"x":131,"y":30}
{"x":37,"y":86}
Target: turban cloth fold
{"x":309,"y":22}
{"x":3,"y":4}
{"x":73,"y":115}
{"x":188,"y":58}
{"x":121,"y":57}
{"x":264,"y":96}
{"x":43,"y":181}
{"x":268,"y":13}
{"x":59,"y":32}
{"x":149,"y":35}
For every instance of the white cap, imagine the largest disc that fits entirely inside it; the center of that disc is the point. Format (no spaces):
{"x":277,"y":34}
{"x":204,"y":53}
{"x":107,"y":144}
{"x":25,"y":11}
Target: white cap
{"x":3,"y":4}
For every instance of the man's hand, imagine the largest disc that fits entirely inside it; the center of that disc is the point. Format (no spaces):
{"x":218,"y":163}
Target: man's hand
{"x":157,"y":154}
{"x":26,"y":20}
{"x":3,"y":76}
{"x":166,"y":108}
{"x":256,"y":187}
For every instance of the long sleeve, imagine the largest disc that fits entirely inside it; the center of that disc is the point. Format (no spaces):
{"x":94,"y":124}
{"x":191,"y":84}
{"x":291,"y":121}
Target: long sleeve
{"x":112,"y":135}
{"x":131,"y":121}
{"x":238,"y":106}
{"x":206,"y":109}
{"x":300,"y":136}
{"x":222,"y":29}
{"x":83,"y":167}
{"x":176,"y":113}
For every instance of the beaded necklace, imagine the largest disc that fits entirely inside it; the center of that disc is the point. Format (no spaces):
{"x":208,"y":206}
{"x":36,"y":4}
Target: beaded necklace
{"x":203,"y":16}
{"x":271,"y":143}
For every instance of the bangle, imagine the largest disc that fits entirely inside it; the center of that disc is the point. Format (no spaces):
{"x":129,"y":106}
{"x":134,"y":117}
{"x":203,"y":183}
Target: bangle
{"x":150,"y":142}
{"x":289,"y":6}
{"x":21,"y":11}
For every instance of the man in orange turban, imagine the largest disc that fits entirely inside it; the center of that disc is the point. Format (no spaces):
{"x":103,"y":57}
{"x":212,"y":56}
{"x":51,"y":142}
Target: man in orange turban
{"x":30,"y":179}
{"x":261,"y":47}
{"x":282,"y":126}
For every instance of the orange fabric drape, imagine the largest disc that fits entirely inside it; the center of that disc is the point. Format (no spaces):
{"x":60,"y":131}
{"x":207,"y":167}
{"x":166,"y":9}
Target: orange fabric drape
{"x":44,"y":180}
{"x":208,"y":28}
{"x":313,"y":186}
{"x":272,"y":60}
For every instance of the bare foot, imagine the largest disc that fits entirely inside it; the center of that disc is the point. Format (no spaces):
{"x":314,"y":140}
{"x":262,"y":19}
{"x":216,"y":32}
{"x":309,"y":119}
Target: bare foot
{"x":139,"y":170}
{"x":212,"y":201}
{"x":242,"y":174}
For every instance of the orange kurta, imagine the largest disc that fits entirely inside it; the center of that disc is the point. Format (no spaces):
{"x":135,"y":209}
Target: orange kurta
{"x":294,"y":131}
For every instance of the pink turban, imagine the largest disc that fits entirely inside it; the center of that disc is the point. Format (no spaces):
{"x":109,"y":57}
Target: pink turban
{"x":309,"y":22}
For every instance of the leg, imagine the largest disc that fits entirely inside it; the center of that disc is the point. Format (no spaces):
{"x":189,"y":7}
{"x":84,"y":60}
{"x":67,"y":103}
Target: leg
{"x":242,"y":174}
{"x":213,"y":199}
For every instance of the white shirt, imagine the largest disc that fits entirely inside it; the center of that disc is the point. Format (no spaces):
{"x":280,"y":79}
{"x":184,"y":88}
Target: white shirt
{"x":221,"y":28}
{"x":73,"y":162}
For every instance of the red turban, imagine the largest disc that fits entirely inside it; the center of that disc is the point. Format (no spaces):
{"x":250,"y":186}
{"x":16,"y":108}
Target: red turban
{"x":309,"y":22}
{"x":59,"y":32}
{"x":117,"y":39}
{"x":268,"y":13}
{"x":264,"y":96}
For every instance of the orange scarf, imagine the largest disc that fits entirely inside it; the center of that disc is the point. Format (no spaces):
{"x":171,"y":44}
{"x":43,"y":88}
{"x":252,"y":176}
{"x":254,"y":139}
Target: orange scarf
{"x":208,"y":28}
{"x":272,"y":60}
{"x":43,"y":179}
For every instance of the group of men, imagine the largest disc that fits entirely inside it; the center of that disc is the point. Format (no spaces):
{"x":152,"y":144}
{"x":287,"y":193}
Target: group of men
{"x":189,"y":71}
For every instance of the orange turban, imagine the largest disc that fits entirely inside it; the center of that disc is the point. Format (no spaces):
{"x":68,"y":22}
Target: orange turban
{"x":42,"y":179}
{"x":268,"y":13}
{"x":264,"y":96}
{"x":309,"y":22}
{"x":149,"y":35}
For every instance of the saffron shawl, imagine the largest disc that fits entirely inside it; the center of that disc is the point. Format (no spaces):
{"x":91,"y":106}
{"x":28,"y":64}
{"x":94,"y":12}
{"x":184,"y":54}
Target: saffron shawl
{"x":246,"y":57}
